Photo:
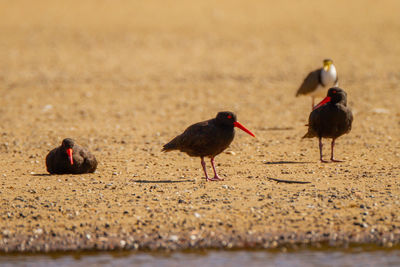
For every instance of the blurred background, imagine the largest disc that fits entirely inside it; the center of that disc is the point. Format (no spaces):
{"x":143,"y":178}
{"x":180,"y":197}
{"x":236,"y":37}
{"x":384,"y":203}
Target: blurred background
{"x":124,"y":77}
{"x":107,"y":70}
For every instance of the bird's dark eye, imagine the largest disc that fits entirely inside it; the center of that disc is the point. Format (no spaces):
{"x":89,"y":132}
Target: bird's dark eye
{"x":229,"y":117}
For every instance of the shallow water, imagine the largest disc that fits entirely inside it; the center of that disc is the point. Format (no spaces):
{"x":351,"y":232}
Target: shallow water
{"x":212,"y":258}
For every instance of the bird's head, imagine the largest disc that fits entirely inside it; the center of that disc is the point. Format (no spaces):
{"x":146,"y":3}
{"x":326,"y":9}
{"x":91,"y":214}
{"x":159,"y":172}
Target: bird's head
{"x":67,"y":145}
{"x":327,"y":64}
{"x":335,"y":95}
{"x":229,"y":119}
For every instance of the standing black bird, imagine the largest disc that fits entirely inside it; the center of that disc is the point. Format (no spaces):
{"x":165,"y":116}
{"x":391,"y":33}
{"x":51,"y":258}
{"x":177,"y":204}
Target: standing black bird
{"x":331,"y":118}
{"x":70,"y":158}
{"x":207,"y":139}
{"x":317,"y":81}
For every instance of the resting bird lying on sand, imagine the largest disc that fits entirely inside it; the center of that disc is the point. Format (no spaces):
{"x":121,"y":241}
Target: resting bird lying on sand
{"x":70,"y":158}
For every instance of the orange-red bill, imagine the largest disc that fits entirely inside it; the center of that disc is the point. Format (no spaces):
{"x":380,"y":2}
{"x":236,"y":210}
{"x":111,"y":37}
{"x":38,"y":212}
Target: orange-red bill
{"x":237,"y":124}
{"x":69,"y":152}
{"x":323,"y":102}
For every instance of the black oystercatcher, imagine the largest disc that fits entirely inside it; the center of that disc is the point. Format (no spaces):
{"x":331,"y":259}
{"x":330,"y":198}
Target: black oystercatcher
{"x":317,"y":81}
{"x":70,"y":158}
{"x":331,"y":118}
{"x":207,"y":139}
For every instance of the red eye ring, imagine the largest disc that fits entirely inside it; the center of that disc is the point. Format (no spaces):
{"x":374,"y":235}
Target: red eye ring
{"x":334,"y":91}
{"x":229,"y":117}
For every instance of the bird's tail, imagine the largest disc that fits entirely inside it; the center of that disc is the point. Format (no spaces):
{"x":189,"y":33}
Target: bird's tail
{"x":309,"y":134}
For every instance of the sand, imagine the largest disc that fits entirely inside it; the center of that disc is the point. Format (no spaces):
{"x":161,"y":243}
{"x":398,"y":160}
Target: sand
{"x":123,"y":78}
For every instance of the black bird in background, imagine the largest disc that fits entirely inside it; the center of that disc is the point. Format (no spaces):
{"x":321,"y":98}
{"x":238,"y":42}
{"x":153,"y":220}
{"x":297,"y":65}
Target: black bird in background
{"x":331,"y":118}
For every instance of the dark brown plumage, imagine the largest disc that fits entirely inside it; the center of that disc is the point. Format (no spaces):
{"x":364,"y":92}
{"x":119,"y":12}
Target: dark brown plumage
{"x":207,"y":139}
{"x":331,"y":118}
{"x":70,"y":158}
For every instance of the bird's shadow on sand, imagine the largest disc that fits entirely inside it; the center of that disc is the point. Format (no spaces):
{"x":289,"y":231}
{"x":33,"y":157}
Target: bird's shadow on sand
{"x":286,"y":162}
{"x":278,"y":129}
{"x":163,"y":181}
{"x":137,"y":181}
{"x":41,"y":174}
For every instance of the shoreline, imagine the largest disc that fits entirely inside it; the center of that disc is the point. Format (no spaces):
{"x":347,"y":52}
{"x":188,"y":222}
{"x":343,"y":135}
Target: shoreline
{"x":153,"y":243}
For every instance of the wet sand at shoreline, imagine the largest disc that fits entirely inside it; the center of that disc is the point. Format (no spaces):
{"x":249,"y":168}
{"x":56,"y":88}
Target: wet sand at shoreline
{"x":124,"y":78}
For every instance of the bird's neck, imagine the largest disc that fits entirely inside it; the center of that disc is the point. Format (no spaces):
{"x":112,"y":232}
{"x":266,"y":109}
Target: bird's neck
{"x":225,"y":127}
{"x":328,"y":78}
{"x":343,"y":102}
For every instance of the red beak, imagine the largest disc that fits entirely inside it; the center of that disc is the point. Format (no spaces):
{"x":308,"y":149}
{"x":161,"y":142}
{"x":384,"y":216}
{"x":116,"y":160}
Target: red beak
{"x":323,"y":102}
{"x":69,"y":152}
{"x":237,"y":124}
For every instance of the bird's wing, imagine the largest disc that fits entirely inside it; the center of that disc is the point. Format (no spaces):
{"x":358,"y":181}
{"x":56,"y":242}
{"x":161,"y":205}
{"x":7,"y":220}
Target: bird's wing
{"x":345,"y":119}
{"x":310,"y":83}
{"x":314,"y":119}
{"x":90,"y":161}
{"x":86,"y":159}
{"x":190,"y":138}
{"x":197,"y":135}
{"x":50,"y":160}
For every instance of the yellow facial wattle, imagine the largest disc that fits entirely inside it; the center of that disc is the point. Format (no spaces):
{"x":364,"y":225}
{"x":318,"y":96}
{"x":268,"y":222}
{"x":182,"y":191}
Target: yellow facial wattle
{"x":327,"y":65}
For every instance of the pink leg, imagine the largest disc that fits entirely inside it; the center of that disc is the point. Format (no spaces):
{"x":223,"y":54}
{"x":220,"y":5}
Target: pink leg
{"x":320,"y":151}
{"x":216,"y":177}
{"x":203,"y":164}
{"x":332,"y":146}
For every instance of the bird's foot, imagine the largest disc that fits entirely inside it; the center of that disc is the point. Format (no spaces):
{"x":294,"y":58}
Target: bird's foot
{"x":324,"y":161}
{"x":215,"y":178}
{"x":336,"y":160}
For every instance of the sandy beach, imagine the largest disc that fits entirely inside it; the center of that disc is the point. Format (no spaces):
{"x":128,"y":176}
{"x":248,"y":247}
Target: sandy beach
{"x":122,"y":78}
